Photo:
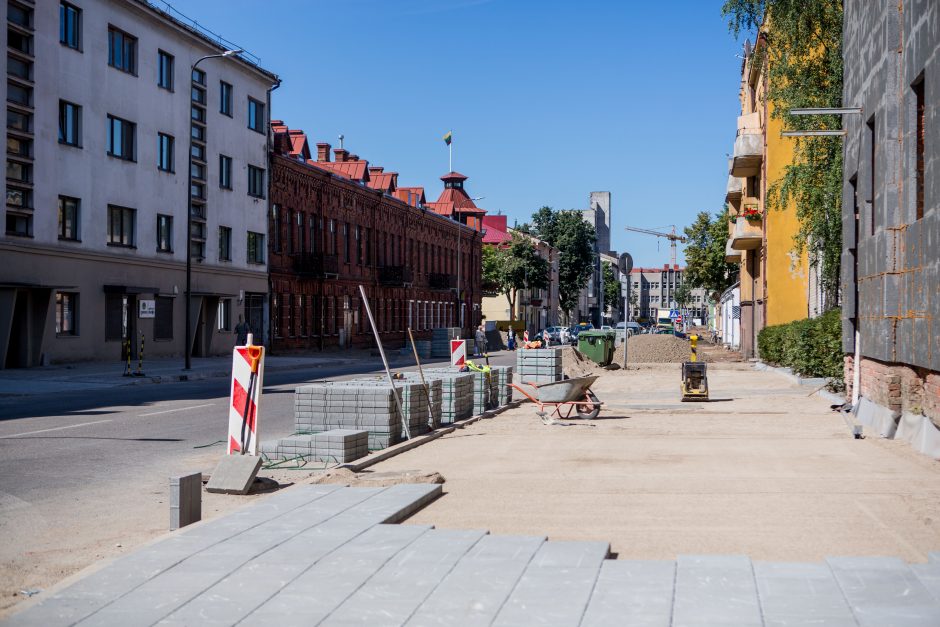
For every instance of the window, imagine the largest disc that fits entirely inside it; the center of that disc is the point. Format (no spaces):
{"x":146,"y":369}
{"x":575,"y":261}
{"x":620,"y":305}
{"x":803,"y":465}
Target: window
{"x":255,"y":115}
{"x":197,"y":171}
{"x":18,"y":94}
{"x":291,"y":244}
{"x":346,"y":242}
{"x":164,"y":233}
{"x":255,"y":247}
{"x":165,"y":152}
{"x":198,"y":95}
{"x":199,"y":77}
{"x":66,"y":313}
{"x":225,"y":98}
{"x":122,"y":51}
{"x":19,"y":68}
{"x":19,"y":171}
{"x":198,"y":152}
{"x":19,"y":224}
{"x":70,"y":123}
{"x":197,"y":190}
{"x":19,"y":41}
{"x":225,"y":243}
{"x":225,"y":172}
{"x":17,"y":197}
{"x":225,"y":314}
{"x":68,"y":218}
{"x":920,"y":124}
{"x":198,"y":210}
{"x":121,"y":134}
{"x":302,"y":308}
{"x":18,"y":121}
{"x":165,"y":70}
{"x":19,"y":147}
{"x":198,"y":114}
{"x":121,"y":226}
{"x":163,"y":318}
{"x":255,"y":182}
{"x":198,"y":132}
{"x":113,"y":317}
{"x":19,"y":14}
{"x":70,"y":25}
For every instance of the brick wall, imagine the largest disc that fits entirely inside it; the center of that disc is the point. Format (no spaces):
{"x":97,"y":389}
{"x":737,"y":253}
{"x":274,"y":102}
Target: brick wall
{"x":898,"y":387}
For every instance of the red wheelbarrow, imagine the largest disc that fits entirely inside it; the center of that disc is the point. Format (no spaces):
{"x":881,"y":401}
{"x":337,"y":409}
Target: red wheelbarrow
{"x":564,"y":397}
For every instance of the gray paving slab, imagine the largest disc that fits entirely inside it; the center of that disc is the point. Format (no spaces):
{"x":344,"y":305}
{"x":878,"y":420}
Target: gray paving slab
{"x":632,"y":592}
{"x":884,"y":591}
{"x":475,"y":590}
{"x":168,"y":591}
{"x":556,"y":586}
{"x":929,"y":575}
{"x":305,"y":591}
{"x":95,"y":591}
{"x":934,"y":556}
{"x":715,"y":590}
{"x":234,"y":474}
{"x":396,"y":590}
{"x":801,"y":594}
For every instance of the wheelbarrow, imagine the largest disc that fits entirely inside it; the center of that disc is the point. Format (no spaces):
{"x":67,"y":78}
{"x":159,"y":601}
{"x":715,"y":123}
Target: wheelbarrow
{"x":564,"y":397}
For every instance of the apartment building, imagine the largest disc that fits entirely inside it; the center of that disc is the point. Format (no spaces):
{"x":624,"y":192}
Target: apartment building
{"x":655,"y":288}
{"x":338,"y":222}
{"x":104,"y":111}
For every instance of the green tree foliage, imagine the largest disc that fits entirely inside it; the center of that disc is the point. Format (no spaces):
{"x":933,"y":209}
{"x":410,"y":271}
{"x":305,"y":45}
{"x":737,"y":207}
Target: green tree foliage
{"x":613,"y":294}
{"x":811,"y":347}
{"x":574,"y":238}
{"x":516,"y":266}
{"x":683,"y":294}
{"x":705,"y":254}
{"x":803,"y":58}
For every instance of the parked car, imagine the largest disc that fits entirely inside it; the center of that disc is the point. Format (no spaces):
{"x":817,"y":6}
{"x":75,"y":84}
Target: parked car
{"x":633,"y":328}
{"x":576,"y":329}
{"x":558,"y":335}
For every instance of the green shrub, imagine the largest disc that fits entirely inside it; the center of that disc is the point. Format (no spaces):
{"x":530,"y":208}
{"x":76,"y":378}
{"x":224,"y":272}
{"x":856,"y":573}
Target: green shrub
{"x":811,"y":347}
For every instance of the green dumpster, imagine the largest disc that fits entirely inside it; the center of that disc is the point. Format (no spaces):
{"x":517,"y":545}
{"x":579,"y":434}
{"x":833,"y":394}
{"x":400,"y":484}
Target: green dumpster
{"x":598,"y":346}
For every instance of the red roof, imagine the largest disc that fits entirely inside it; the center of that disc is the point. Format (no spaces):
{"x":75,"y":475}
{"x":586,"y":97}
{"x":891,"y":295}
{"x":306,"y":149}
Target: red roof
{"x":443,"y":208}
{"x":385,"y":181}
{"x":354,"y":170}
{"x":414,"y":196}
{"x":453,"y":176}
{"x":496,"y":236}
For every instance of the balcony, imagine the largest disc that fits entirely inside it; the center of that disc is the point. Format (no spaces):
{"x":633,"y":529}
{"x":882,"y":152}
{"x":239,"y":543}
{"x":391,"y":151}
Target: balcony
{"x":748,"y":146}
{"x":732,"y":255}
{"x":395,"y":275}
{"x":441,"y":281}
{"x":319,"y":266}
{"x":747,"y":234}
{"x":735,"y":189}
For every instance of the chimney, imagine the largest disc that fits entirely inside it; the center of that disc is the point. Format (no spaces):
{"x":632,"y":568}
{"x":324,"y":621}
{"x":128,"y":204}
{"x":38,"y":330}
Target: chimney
{"x":323,"y":152}
{"x":341,"y":154}
{"x":376,"y":169}
{"x":353,"y":158}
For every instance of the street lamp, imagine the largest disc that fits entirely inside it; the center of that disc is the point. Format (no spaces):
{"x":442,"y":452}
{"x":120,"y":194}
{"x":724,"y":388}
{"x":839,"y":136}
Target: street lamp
{"x":188,"y":348}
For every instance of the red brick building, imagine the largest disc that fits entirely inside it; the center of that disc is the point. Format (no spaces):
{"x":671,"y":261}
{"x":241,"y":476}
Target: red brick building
{"x":337,"y":224}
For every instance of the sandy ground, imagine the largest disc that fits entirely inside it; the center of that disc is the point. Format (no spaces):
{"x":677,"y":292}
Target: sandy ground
{"x":763,"y":470}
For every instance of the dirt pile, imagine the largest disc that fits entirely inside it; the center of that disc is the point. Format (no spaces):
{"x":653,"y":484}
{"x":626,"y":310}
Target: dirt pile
{"x":574,"y":364}
{"x":655,"y":349}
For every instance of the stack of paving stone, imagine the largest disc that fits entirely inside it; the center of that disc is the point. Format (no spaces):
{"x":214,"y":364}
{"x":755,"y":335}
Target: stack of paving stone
{"x":349,"y":405}
{"x":502,"y":377}
{"x":435,"y":387}
{"x":440,"y":340}
{"x":539,"y":365}
{"x":336,"y":445}
{"x":414,"y":402}
{"x":456,"y":393}
{"x":424,"y":348}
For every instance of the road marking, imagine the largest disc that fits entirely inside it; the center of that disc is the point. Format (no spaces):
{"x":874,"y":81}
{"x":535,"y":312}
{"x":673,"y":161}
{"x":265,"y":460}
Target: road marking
{"x":170,"y":411}
{"x":84,"y":424}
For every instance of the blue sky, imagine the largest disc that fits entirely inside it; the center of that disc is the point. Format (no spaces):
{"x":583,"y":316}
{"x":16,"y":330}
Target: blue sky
{"x":548,"y":99}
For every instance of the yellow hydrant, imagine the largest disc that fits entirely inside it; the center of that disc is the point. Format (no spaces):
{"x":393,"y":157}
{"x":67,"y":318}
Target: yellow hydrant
{"x":693,"y":340}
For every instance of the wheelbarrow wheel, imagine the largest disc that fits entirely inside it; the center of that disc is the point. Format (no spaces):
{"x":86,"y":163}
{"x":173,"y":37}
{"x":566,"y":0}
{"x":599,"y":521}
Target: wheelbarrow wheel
{"x":591,"y":409}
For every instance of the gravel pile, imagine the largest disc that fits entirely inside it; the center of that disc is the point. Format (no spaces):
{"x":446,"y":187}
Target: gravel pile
{"x":574,"y":364}
{"x":655,"y":349}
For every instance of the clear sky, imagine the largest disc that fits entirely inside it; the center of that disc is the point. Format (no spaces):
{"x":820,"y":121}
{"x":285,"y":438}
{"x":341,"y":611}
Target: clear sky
{"x":548,"y":99}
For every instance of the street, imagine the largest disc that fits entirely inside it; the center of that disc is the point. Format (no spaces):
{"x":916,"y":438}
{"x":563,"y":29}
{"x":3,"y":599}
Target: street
{"x":87,"y":472}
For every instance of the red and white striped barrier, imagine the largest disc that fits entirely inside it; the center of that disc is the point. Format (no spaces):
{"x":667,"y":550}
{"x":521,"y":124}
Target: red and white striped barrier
{"x":245,"y":400}
{"x":458,"y":352}
{"x":525,"y":335}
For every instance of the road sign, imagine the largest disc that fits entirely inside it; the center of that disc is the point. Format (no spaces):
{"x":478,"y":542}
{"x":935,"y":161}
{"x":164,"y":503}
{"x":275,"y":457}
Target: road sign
{"x":674,"y":313}
{"x":625,"y":263}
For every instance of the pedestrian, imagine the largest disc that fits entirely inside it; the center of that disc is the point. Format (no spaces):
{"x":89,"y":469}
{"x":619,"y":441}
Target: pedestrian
{"x":479,"y":344}
{"x":512,"y":340}
{"x":241,"y":332}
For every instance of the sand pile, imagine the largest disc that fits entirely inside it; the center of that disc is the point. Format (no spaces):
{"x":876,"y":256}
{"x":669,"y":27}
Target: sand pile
{"x":575,"y":364}
{"x":655,"y":349}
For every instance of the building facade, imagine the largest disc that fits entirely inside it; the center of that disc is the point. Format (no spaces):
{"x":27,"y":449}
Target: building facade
{"x":655,"y":288}
{"x":336,"y":224}
{"x":590,"y":302}
{"x":891,"y":214}
{"x":100,"y":107}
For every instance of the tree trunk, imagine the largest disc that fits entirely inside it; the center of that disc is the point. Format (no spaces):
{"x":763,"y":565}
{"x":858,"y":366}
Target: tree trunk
{"x":512,"y":304}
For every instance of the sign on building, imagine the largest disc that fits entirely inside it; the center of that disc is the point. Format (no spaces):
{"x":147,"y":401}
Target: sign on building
{"x":146,"y":308}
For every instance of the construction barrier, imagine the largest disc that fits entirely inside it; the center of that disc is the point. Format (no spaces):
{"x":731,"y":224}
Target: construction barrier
{"x":458,"y":352}
{"x":245,"y":400}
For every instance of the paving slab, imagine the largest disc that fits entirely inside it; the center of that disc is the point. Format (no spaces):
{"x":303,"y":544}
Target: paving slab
{"x":396,"y":590}
{"x":475,"y":590}
{"x":715,"y":590}
{"x":234,"y":474}
{"x":884,"y":591}
{"x":632,"y":592}
{"x":801,"y":594}
{"x":929,"y":575}
{"x":556,"y":585}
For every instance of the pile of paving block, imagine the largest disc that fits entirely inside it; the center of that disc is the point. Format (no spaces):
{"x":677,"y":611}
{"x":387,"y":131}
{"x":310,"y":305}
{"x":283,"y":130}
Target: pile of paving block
{"x":539,"y":365}
{"x":336,"y":445}
{"x":440,"y":340}
{"x":502,"y":377}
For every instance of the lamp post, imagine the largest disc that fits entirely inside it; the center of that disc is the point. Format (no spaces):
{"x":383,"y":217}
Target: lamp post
{"x":188,"y":348}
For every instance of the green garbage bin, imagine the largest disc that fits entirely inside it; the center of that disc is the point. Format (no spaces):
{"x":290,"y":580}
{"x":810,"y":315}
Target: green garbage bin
{"x":598,"y":346}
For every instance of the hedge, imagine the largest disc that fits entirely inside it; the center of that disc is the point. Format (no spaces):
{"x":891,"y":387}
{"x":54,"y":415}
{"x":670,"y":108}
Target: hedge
{"x":811,"y":347}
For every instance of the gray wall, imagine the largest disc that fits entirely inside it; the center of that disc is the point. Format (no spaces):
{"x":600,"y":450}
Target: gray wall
{"x":891,"y":271}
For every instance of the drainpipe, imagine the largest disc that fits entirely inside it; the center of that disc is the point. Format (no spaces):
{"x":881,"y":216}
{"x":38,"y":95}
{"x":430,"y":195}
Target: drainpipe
{"x":267,"y":337}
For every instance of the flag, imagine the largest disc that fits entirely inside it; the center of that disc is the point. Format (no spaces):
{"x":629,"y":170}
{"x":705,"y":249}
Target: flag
{"x":448,"y":137}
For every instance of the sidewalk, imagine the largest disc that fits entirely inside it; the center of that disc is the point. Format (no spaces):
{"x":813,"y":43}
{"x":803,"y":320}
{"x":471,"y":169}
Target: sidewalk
{"x":103,"y":375}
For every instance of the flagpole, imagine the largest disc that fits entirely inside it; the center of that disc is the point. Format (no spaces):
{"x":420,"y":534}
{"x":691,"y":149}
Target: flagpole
{"x":450,"y":153}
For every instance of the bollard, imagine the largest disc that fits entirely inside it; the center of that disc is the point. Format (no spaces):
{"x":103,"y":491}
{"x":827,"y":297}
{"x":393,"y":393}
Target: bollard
{"x":140,"y":357}
{"x":126,"y":343}
{"x":693,"y":340}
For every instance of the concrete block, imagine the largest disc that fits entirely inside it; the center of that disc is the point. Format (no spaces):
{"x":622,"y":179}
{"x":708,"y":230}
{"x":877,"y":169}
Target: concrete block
{"x":716,"y":590}
{"x":801,"y":594}
{"x":234,"y":474}
{"x":185,"y":500}
{"x":884,"y":591}
{"x":632,"y":592}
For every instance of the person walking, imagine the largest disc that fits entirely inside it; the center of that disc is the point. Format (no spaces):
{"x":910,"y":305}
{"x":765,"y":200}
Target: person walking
{"x":479,"y":343}
{"x":241,"y":332}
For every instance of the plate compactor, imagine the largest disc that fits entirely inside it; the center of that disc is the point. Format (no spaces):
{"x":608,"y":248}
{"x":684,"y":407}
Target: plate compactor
{"x":694,"y":375}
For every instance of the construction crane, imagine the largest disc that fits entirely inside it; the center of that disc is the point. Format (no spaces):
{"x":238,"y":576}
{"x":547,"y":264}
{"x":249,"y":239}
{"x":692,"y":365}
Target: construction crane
{"x":672,"y":237}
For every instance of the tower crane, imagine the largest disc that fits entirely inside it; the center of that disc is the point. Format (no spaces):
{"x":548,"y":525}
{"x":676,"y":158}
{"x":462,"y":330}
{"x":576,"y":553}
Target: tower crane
{"x":672,"y":237}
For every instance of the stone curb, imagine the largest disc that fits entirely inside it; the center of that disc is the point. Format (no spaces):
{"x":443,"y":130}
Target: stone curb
{"x":788,"y":373}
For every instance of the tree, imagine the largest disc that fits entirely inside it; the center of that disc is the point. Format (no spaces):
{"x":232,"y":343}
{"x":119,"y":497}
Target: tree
{"x":803,"y":61}
{"x":513,"y":267}
{"x":682,"y":295}
{"x":705,"y":254}
{"x":613,"y":294}
{"x":574,"y":238}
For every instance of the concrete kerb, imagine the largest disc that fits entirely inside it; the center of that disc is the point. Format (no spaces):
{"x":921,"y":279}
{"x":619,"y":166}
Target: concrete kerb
{"x":788,"y":373}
